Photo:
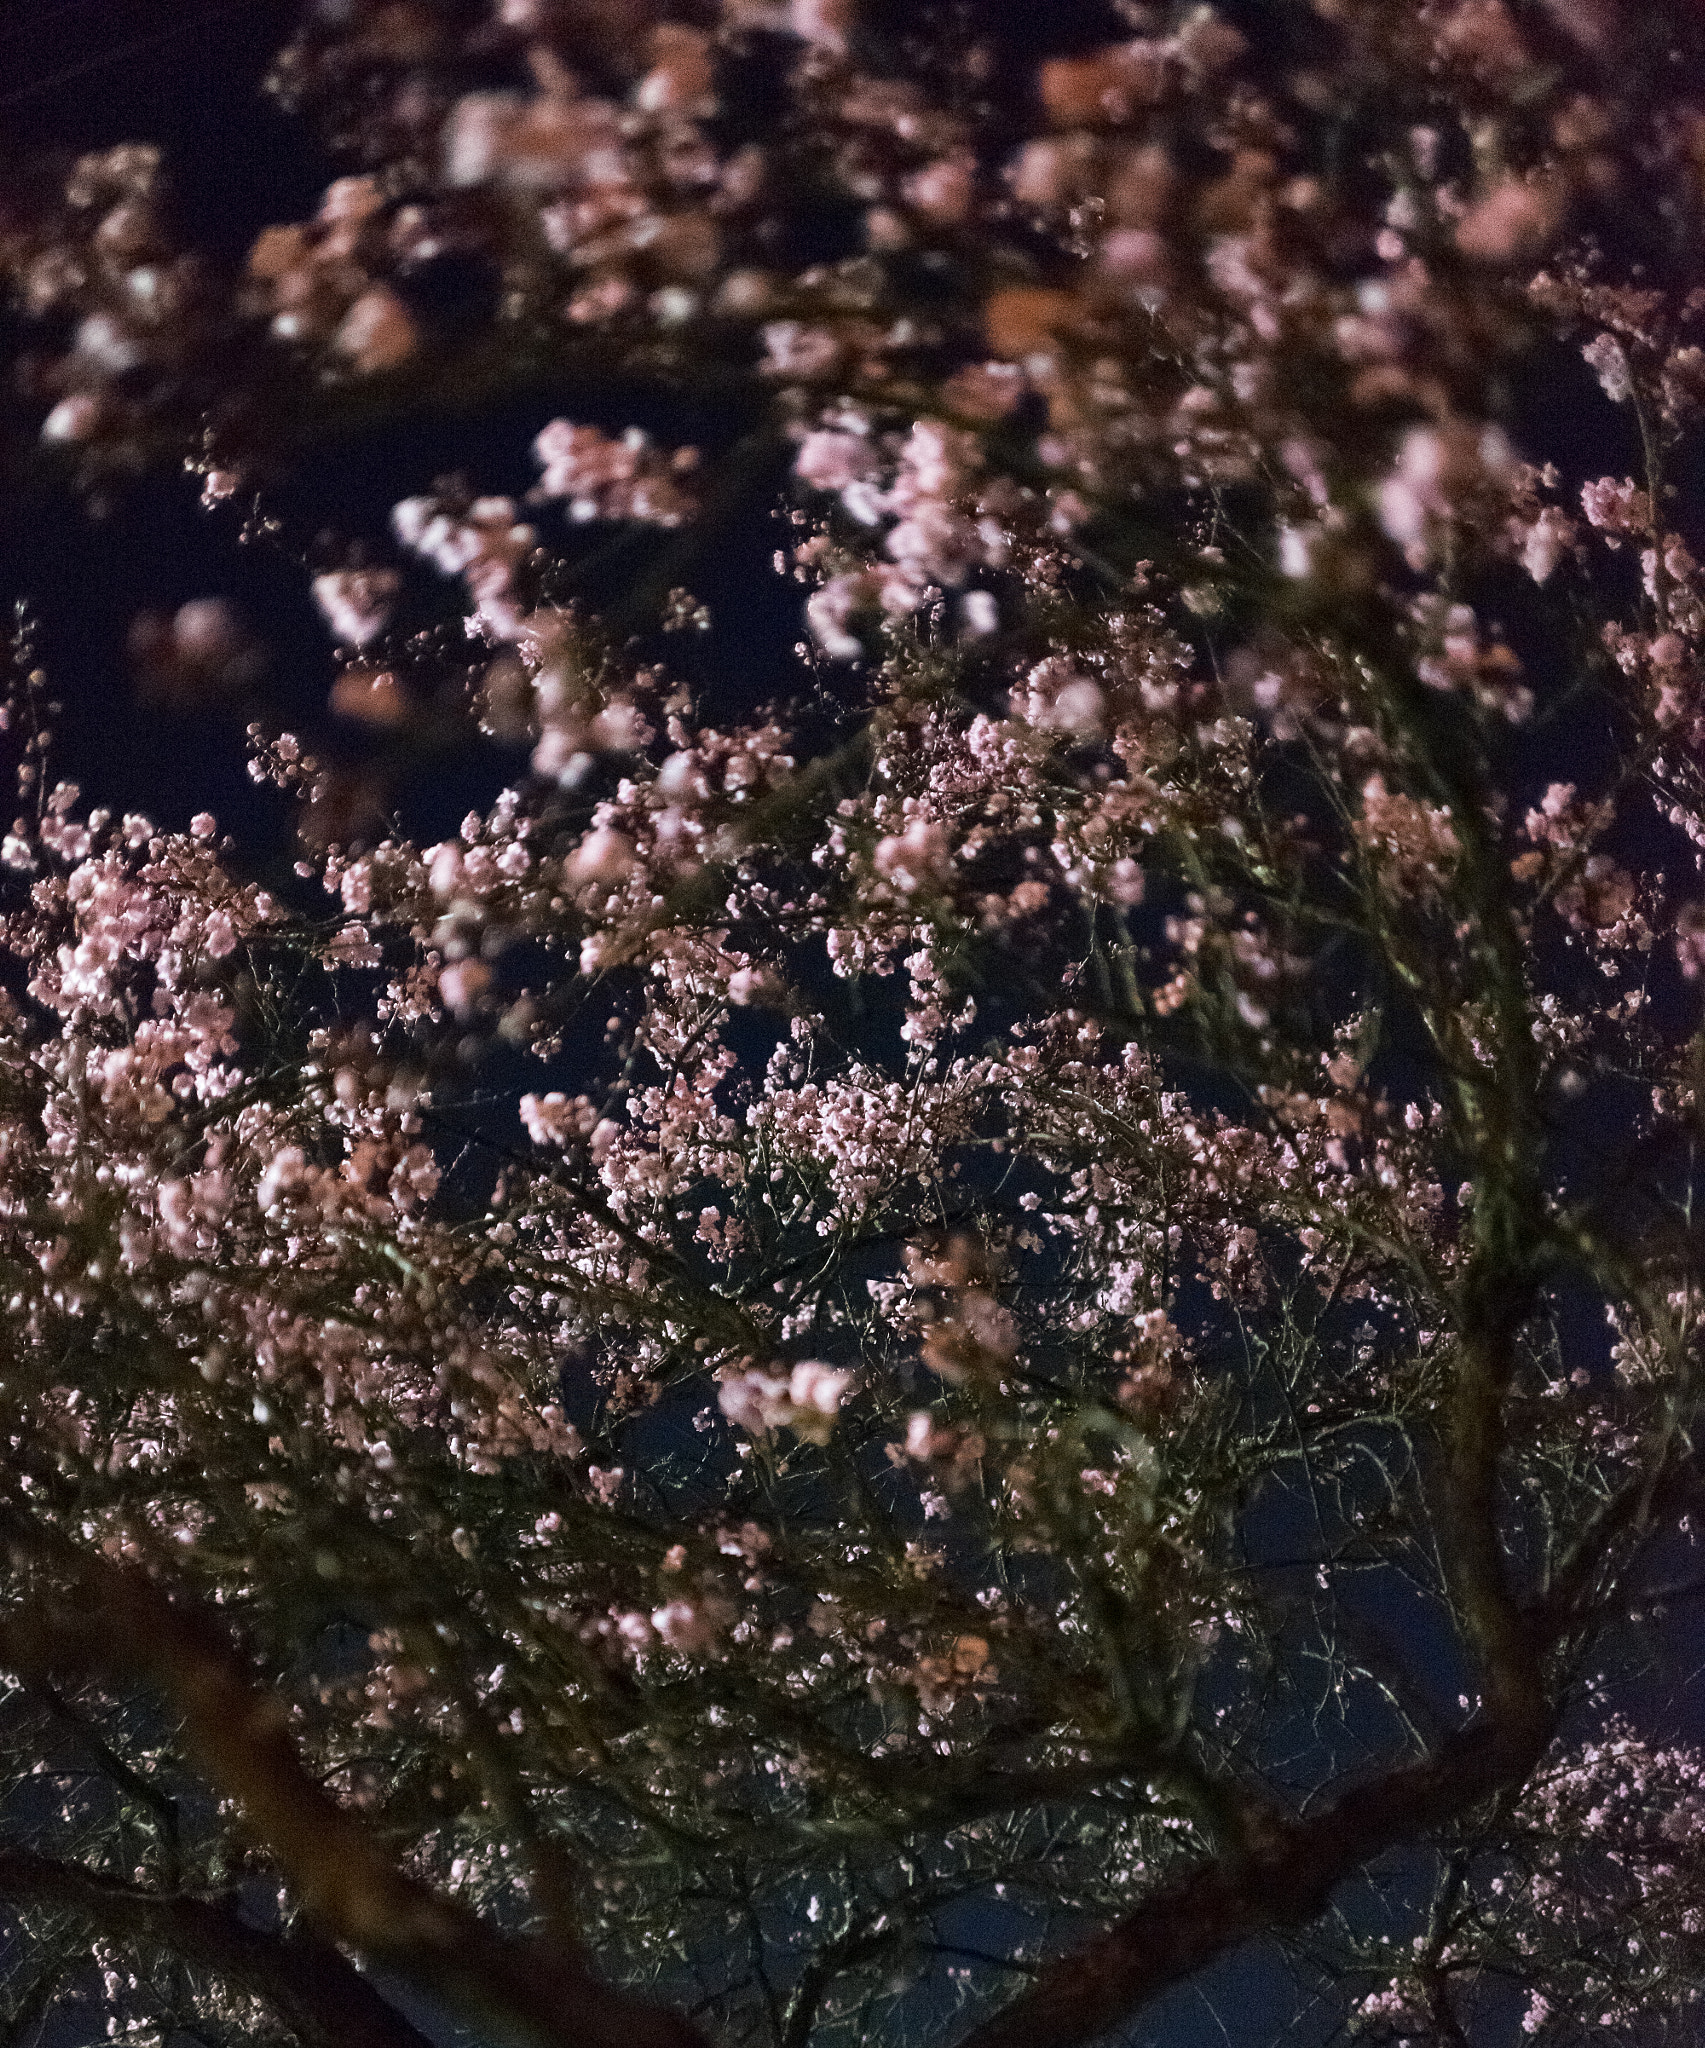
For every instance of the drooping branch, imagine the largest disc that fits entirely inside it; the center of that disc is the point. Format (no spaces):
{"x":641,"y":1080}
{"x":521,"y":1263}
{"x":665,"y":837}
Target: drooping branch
{"x":534,"y":1994}
{"x":311,"y":1987}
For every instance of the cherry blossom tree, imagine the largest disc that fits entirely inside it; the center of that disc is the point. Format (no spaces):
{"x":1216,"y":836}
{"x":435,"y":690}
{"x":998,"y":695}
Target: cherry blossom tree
{"x":920,"y":1359}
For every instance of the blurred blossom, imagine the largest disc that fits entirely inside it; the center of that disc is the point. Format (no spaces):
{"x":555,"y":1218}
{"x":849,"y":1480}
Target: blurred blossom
{"x":200,"y":655}
{"x":356,"y":603}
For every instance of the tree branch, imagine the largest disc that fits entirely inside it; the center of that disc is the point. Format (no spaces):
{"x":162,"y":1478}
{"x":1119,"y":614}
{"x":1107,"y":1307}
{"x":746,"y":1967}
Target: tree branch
{"x":532,"y":1994}
{"x":313,"y":1989}
{"x":1286,"y":1882}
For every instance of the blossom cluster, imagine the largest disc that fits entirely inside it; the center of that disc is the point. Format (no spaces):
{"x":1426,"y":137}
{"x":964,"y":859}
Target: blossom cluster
{"x":867,"y":1301}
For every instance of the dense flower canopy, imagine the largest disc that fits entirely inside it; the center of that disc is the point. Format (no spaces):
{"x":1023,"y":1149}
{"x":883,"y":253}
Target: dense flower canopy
{"x":914,"y":1359}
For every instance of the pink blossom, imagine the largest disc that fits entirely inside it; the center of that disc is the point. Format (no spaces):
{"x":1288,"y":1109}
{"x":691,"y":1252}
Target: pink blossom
{"x":76,"y":418}
{"x":694,"y":1628}
{"x":605,"y":857}
{"x":794,"y":348}
{"x":1435,"y":468}
{"x":828,"y":610}
{"x":614,"y":478}
{"x":554,"y":1119}
{"x":462,"y":983}
{"x":828,"y":461}
{"x":1609,"y":361}
{"x":816,"y":1390}
{"x":1616,"y":506}
{"x":916,"y":858}
{"x":356,"y":603}
{"x":1690,"y":940}
{"x":1515,"y":220}
{"x":377,"y":334}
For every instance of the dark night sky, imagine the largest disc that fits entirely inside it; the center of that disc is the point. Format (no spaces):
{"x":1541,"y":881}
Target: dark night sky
{"x":83,"y":75}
